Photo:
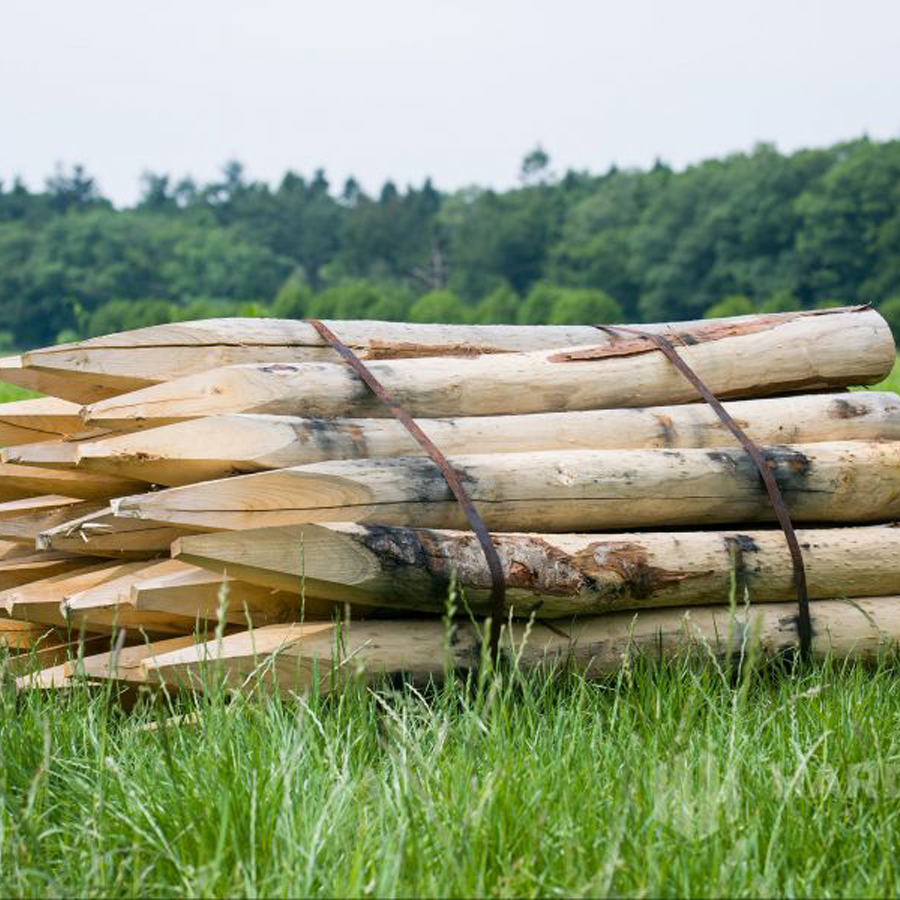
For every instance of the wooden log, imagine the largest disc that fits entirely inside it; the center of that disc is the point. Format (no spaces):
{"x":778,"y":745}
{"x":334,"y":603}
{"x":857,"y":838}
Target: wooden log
{"x":125,"y":665}
{"x":552,"y":575}
{"x":59,"y":454}
{"x":25,"y":481}
{"x":102,"y":367}
{"x":198,"y":593}
{"x":761,"y":356}
{"x":111,"y":604}
{"x":14,"y":550}
{"x":122,"y":665}
{"x":103,"y":534}
{"x":586,"y":490}
{"x":25,"y":527}
{"x":22,"y":570}
{"x":57,"y":383}
{"x":28,"y":505}
{"x":220,"y":446}
{"x":50,"y":655}
{"x":39,"y":601}
{"x":19,"y":637}
{"x":314,"y":657}
{"x":41,"y":419}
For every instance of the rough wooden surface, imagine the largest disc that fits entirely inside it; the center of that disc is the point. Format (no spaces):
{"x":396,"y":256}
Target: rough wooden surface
{"x":220,"y":446}
{"x":552,"y":575}
{"x":199,"y":592}
{"x":39,"y":601}
{"x":26,"y":481}
{"x":41,"y":419}
{"x":102,"y":534}
{"x":578,"y":490}
{"x":757,"y":357}
{"x":315,"y":658}
{"x":22,"y":570}
{"x":116,"y":363}
{"x":25,"y":527}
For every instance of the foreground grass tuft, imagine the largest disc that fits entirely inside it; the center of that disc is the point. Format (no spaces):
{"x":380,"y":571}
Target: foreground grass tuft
{"x":682,"y":781}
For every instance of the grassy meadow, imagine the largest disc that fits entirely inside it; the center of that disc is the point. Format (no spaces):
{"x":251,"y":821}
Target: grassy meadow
{"x":691,"y":780}
{"x":686,"y":781}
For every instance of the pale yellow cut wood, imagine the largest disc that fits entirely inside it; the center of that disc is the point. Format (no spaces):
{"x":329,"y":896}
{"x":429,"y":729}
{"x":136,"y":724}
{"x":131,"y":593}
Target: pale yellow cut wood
{"x":552,"y":575}
{"x":25,"y":527}
{"x":41,"y":419}
{"x":124,"y":665}
{"x":20,"y":636}
{"x":757,"y":357}
{"x":576,"y":490}
{"x":103,"y":534}
{"x":28,"y":505}
{"x":36,"y":566}
{"x":39,"y":601}
{"x":34,"y":481}
{"x":14,"y":550}
{"x":121,"y":665}
{"x":107,"y":605}
{"x":300,"y":659}
{"x":55,"y":382}
{"x":127,"y":361}
{"x":221,"y":446}
{"x":198,"y":593}
{"x":49,"y":679}
{"x":60,"y":454}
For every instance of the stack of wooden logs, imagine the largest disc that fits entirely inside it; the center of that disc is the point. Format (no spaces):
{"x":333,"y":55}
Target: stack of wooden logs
{"x":226,"y":499}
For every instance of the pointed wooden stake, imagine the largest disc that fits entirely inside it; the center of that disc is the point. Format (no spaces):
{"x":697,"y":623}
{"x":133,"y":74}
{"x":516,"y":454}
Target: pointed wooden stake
{"x":221,"y":446}
{"x":756,"y":357}
{"x":578,"y":490}
{"x":319,"y":658}
{"x":103,"y":534}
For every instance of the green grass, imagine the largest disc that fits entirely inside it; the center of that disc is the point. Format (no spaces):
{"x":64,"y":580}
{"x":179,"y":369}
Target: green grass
{"x":675,"y":782}
{"x":9,"y":392}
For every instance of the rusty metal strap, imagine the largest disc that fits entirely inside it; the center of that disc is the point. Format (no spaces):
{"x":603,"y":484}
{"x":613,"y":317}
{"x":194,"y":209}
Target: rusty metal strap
{"x":804,"y":624}
{"x":495,"y":567}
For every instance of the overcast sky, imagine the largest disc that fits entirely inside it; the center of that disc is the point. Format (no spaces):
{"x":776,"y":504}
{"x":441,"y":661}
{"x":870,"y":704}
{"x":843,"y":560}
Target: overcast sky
{"x":410,"y":88}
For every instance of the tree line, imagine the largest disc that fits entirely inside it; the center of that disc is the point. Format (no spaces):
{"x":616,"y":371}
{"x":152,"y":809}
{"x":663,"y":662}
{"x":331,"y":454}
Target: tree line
{"x":750,"y":232}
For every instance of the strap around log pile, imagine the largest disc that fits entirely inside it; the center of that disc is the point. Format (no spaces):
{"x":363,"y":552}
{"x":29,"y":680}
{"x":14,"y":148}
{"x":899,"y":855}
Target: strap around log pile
{"x":495,"y":567}
{"x":804,"y":623}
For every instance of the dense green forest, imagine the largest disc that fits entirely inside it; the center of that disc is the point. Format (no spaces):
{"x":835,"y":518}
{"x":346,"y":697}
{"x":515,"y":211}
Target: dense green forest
{"x":754,"y":231}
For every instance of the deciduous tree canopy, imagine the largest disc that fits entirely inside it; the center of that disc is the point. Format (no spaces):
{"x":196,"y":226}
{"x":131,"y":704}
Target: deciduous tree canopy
{"x":754,"y":231}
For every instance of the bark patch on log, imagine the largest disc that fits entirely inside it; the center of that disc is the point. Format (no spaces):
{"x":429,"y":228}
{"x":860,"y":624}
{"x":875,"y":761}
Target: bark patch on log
{"x":698,"y":334}
{"x":639,"y":579}
{"x":844,"y":409}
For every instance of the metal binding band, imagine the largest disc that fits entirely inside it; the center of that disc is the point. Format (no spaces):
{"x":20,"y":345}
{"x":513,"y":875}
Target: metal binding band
{"x":804,"y":623}
{"x":498,"y":582}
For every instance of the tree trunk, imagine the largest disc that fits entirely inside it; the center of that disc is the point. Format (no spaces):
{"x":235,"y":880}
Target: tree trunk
{"x":579,"y":490}
{"x":759,"y":356}
{"x":220,"y":446}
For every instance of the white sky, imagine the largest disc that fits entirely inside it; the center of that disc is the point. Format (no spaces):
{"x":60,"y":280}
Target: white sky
{"x":409,"y":88}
